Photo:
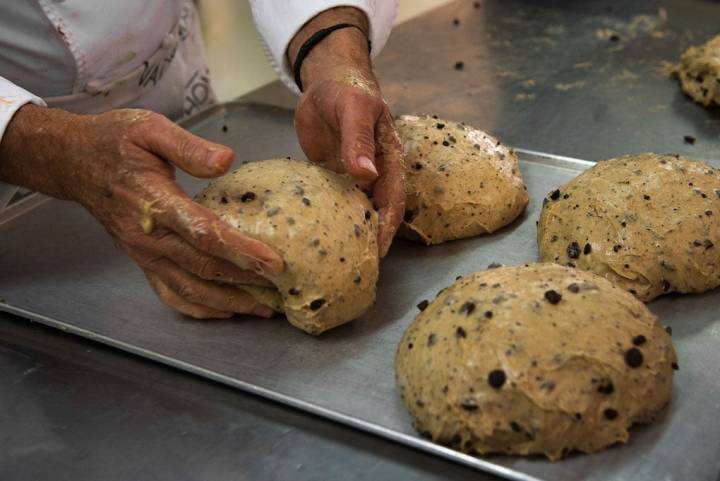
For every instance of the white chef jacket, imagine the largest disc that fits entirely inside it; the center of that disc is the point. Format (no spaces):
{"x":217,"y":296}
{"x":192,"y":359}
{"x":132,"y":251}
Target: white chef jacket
{"x":90,"y":56}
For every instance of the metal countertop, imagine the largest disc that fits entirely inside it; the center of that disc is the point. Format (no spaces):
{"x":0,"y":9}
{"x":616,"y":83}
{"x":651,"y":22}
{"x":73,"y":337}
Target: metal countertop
{"x":72,"y":409}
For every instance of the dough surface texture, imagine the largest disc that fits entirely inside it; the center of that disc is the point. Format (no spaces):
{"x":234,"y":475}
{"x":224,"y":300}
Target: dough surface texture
{"x":461,"y":182}
{"x":699,"y":72}
{"x":322,"y":225}
{"x":649,"y":223}
{"x":534,"y":359}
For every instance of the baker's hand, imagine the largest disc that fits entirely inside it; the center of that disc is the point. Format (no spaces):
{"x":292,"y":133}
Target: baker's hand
{"x":120,"y":166}
{"x":342,"y":120}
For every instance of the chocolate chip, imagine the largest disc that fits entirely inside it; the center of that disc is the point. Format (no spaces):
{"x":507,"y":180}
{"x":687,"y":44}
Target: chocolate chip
{"x":614,"y":37}
{"x":440,"y":126}
{"x":223,"y":200}
{"x":422,"y":305}
{"x":445,"y":143}
{"x":668,"y":329}
{"x":573,"y":250}
{"x":368,"y":215}
{"x":488,"y":314}
{"x":357,"y":280}
{"x":410,"y":345}
{"x":707,"y":243}
{"x":460,"y":333}
{"x":646,"y":197}
{"x":633,"y":357}
{"x":617,"y":247}
{"x":555,"y":194}
{"x":639,"y":340}
{"x":496,"y":378}
{"x":587,"y":249}
{"x":610,"y":414}
{"x":317,"y":304}
{"x":306,"y":201}
{"x":417,"y":166}
{"x":294,"y":291}
{"x":574,"y":288}
{"x":456,"y":21}
{"x":689,"y":139}
{"x":553,"y":297}
{"x":467,"y":308}
{"x":675,"y":366}
{"x":515,"y":427}
{"x":459,"y":65}
{"x":606,"y":387}
{"x":469,"y":404}
{"x":432,"y":339}
{"x":247,"y":197}
{"x":494,"y":265}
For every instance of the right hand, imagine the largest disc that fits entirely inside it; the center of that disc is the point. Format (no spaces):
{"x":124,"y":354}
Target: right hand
{"x":120,"y":166}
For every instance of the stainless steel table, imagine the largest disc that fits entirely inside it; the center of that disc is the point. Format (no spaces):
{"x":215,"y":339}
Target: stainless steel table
{"x":71,"y":409}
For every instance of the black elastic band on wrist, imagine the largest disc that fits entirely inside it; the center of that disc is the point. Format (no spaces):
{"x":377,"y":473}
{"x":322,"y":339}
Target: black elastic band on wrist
{"x":311,"y":42}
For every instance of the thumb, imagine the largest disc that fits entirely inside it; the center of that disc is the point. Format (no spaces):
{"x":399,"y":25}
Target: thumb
{"x":357,"y":137}
{"x":177,"y":146}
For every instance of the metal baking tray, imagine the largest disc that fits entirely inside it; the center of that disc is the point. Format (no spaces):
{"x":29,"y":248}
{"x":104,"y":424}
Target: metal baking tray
{"x":58,"y":267}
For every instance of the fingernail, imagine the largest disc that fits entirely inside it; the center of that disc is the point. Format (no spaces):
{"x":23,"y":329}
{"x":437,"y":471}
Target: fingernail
{"x":366,"y":164}
{"x":263,"y":311}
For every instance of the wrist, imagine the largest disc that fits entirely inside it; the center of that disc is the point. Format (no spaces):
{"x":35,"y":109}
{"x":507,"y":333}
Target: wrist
{"x":34,"y":149}
{"x":342,"y":48}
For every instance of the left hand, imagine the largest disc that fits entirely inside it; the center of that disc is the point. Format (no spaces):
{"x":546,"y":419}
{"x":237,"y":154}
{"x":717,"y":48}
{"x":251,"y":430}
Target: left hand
{"x":343,"y":122}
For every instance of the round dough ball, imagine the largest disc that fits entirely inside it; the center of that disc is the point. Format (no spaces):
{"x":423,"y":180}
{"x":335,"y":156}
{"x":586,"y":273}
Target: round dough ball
{"x":699,"y":72}
{"x":322,"y":225}
{"x":461,"y":182}
{"x":535,"y":359}
{"x":649,"y":223}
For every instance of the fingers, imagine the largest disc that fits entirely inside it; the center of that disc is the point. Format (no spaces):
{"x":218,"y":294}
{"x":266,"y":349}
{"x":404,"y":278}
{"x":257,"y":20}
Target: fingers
{"x":174,"y":301}
{"x":204,"y":266}
{"x":177,"y":146}
{"x":357,"y":136}
{"x":202,"y":229}
{"x":197,"y":297}
{"x":389,"y":190}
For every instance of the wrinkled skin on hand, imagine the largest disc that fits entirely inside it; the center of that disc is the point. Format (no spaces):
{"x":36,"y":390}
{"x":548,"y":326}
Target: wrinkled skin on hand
{"x":123,"y":172}
{"x":344,"y":124}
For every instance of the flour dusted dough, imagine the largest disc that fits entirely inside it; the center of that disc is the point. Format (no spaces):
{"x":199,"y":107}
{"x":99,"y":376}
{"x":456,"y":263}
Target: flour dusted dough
{"x":649,"y":223}
{"x":461,"y":182}
{"x":324,"y":228}
{"x":699,"y":72}
{"x":538,"y":359}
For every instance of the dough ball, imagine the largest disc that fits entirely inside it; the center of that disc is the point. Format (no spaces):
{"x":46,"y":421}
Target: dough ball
{"x":535,"y":359}
{"x":699,"y":72}
{"x":649,"y":223}
{"x":461,"y":182}
{"x":322,"y":225}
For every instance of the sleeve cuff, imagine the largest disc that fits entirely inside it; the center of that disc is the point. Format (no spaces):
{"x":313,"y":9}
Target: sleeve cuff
{"x":12,"y":98}
{"x":279,"y":21}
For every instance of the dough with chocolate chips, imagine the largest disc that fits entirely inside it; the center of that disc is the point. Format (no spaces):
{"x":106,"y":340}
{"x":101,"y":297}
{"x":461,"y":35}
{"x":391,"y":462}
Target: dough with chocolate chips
{"x":534,"y":359}
{"x":461,"y":182}
{"x":649,"y":223}
{"x":699,"y":72}
{"x":324,"y":228}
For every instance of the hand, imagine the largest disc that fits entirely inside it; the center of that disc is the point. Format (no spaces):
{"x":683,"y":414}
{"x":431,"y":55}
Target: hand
{"x":120,"y":166}
{"x":343,"y":122}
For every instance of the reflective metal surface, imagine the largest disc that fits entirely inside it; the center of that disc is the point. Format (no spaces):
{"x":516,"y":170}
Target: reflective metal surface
{"x":76,"y":280}
{"x":74,"y":410}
